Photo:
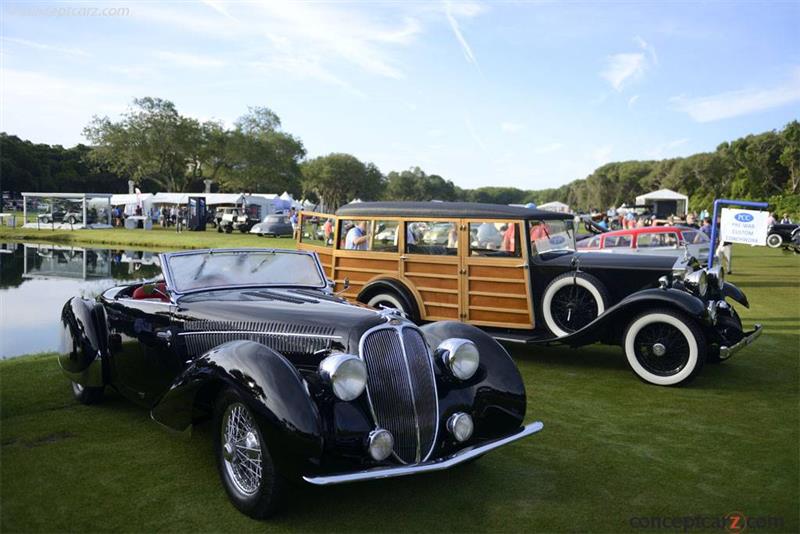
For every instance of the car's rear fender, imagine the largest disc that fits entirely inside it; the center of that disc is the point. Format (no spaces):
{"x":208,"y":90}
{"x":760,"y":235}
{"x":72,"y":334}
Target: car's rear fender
{"x":272,"y":386}
{"x":84,"y":341}
{"x":610,"y":325}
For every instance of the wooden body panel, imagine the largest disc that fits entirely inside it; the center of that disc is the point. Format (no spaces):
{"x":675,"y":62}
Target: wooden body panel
{"x":485,"y":291}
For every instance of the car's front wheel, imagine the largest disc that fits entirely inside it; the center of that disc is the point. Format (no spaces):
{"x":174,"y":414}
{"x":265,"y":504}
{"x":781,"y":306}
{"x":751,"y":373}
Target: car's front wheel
{"x":87,"y":395}
{"x":245,"y":465}
{"x":664,"y":347}
{"x":774,"y":241}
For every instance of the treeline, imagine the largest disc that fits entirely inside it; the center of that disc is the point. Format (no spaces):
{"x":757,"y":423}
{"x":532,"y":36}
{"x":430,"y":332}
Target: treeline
{"x":162,"y":150}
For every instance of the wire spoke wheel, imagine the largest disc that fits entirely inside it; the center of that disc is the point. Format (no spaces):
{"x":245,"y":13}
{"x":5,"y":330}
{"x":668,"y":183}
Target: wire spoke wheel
{"x":662,"y":349}
{"x":241,"y":448}
{"x":573,"y":307}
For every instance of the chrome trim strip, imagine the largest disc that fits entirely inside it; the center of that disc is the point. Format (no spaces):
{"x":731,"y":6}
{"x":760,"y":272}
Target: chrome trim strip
{"x":727,"y":352}
{"x":258,"y":332}
{"x":399,"y":330}
{"x":435,"y":388}
{"x":437,"y":465}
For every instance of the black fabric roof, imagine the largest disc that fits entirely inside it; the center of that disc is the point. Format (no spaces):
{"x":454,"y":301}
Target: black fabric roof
{"x":462,"y":210}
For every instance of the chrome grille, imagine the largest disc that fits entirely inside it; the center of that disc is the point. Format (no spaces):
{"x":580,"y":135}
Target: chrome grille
{"x":202,"y":336}
{"x":402,"y":389}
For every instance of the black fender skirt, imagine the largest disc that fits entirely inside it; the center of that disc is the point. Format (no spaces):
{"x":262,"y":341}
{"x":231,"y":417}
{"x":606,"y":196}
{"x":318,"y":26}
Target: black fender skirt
{"x":272,"y":387}
{"x":730,"y":290}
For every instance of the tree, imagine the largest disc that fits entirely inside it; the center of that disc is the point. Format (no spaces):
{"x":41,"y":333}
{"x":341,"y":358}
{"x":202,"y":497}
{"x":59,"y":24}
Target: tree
{"x":152,"y":142}
{"x":336,"y":179}
{"x":257,"y":156}
{"x":414,"y":184}
{"x":790,"y":157}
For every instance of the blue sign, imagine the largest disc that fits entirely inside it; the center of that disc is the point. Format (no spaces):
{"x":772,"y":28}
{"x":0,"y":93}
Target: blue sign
{"x":744,"y":217}
{"x":557,"y":239}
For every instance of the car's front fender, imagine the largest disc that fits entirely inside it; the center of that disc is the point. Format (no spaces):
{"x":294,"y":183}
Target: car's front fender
{"x":730,"y":290}
{"x":495,"y":395}
{"x":83,"y":342}
{"x":273,"y":387}
{"x":616,"y":317}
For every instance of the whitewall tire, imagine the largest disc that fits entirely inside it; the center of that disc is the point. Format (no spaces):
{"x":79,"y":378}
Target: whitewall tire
{"x":387,"y":300}
{"x":580,"y":294}
{"x":664,"y":347}
{"x":774,"y":241}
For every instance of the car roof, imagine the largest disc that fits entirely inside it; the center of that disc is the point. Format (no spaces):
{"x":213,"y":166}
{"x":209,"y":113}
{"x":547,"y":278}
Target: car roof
{"x":461,"y":210}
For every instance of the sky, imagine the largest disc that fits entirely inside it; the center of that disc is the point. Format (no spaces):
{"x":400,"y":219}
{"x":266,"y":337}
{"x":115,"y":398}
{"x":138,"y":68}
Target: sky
{"x":525,"y":94}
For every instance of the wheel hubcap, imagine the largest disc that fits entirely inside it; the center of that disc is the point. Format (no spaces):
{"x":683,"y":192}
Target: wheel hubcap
{"x":241,"y":449}
{"x":659,"y":349}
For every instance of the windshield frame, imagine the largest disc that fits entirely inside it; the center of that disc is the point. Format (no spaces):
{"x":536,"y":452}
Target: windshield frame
{"x":170,"y":280}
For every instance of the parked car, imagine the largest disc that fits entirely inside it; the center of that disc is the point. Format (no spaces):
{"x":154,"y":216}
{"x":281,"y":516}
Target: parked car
{"x":47,"y":218}
{"x":526,"y":283}
{"x":230,"y":219}
{"x":301,"y":384}
{"x":667,"y":240}
{"x":779,"y":235}
{"x":273,"y":225}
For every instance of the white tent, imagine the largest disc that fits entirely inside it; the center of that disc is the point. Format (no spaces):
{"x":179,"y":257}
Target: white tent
{"x":665,"y":202}
{"x":558,"y":207}
{"x":215,"y":199}
{"x":171,"y":198}
{"x":132,"y":201}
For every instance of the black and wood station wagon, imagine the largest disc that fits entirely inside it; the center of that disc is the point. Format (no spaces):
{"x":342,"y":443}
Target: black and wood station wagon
{"x":515,"y":273}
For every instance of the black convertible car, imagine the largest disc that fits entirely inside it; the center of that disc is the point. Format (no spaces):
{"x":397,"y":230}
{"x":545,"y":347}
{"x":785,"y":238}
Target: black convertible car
{"x":300,"y":383}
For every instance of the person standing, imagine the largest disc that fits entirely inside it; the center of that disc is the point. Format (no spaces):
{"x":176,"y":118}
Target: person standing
{"x":786,"y":219}
{"x":706,"y":228}
{"x":770,"y":219}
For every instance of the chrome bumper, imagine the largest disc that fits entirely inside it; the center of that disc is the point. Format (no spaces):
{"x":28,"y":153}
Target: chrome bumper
{"x":727,"y":352}
{"x":434,"y":465}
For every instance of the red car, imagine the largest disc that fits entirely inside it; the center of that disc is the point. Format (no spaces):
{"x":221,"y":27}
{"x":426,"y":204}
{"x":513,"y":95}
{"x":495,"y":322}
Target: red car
{"x":665,"y":240}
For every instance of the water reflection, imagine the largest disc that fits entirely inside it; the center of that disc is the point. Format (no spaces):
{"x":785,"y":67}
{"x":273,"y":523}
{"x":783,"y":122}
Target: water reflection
{"x":37,"y":279}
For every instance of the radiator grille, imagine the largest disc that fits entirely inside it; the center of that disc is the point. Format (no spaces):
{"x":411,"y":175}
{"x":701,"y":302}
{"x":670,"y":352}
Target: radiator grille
{"x":402,"y":389}
{"x":288,"y":339}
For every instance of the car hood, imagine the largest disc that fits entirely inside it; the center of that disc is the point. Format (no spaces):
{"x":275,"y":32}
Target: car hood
{"x":600,"y":260}
{"x":295,"y":312}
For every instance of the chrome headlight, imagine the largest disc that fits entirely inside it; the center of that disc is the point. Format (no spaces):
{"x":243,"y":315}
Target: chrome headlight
{"x":460,"y":356}
{"x":717,"y":275}
{"x":380,"y":444}
{"x":460,"y":425}
{"x":698,"y":281}
{"x":345,"y":374}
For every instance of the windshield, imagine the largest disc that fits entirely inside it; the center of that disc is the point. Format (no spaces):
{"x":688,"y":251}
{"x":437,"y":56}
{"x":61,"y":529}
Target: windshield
{"x":212,"y":269}
{"x":549,"y":236}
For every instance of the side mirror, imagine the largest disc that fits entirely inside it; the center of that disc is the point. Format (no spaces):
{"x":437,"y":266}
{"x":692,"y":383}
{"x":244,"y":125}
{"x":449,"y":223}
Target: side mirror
{"x":345,"y":286}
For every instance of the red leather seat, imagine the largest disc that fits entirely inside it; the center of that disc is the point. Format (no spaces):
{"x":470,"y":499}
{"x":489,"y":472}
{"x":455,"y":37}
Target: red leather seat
{"x":146,"y":291}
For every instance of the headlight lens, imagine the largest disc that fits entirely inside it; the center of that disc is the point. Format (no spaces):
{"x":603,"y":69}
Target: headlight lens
{"x":380,"y":444}
{"x":460,"y":426}
{"x":717,"y":275}
{"x":460,"y":356}
{"x":698,"y":280}
{"x":345,"y":374}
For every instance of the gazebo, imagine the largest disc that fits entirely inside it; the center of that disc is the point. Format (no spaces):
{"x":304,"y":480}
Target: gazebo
{"x":67,"y":211}
{"x":665,"y":202}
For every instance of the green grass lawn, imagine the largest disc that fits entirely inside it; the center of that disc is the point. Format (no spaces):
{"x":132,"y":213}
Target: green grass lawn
{"x":158,"y":238}
{"x":612,"y":448}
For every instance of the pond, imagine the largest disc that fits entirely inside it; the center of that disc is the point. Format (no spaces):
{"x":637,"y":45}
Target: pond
{"x":37,"y":279}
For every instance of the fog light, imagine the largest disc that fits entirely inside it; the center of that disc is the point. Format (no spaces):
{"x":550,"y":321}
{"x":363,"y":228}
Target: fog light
{"x":460,"y":426}
{"x":380,"y":444}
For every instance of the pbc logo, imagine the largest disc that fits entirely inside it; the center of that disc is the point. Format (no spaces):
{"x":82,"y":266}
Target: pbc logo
{"x":743,"y":217}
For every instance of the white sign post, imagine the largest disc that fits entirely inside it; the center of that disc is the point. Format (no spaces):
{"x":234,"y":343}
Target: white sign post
{"x":743,"y":226}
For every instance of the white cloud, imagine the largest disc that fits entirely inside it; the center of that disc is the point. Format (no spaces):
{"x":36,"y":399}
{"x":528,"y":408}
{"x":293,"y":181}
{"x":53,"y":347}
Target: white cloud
{"x":474,"y":133}
{"x":47,"y":47}
{"x":632,"y":100}
{"x":512,"y":127}
{"x":193,"y":61}
{"x":623,"y":68}
{"x":304,"y":68}
{"x":547,"y":149}
{"x":666,"y":149}
{"x":736,"y":103}
{"x":469,"y":10}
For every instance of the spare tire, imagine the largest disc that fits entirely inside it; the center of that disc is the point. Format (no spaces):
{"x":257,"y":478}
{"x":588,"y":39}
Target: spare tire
{"x":573,"y":300}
